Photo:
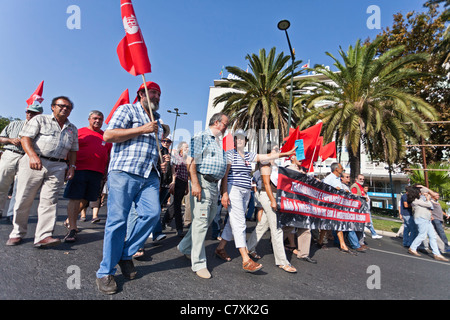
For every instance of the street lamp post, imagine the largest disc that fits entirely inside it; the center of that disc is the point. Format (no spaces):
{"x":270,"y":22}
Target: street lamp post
{"x":284,"y":25}
{"x":177,"y":114}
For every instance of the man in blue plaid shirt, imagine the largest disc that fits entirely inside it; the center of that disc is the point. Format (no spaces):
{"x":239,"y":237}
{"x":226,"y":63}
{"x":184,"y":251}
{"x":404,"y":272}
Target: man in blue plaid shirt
{"x":207,"y":165}
{"x":133,"y":177}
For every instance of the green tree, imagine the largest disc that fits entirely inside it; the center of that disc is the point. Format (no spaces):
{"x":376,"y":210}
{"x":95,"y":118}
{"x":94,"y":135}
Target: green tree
{"x":438,"y":177}
{"x":423,"y":32}
{"x":260,"y":99}
{"x":364,"y":104}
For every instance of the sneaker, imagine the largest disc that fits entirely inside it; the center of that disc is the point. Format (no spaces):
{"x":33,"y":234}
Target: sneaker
{"x":128,"y":269}
{"x":377,"y":236}
{"x":160,"y":237}
{"x":251,"y":266}
{"x":107,"y":284}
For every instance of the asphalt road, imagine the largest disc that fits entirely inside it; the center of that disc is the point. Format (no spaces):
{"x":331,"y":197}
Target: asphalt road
{"x":67,"y":272}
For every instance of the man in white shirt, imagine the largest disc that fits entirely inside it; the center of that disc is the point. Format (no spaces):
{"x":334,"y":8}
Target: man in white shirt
{"x":334,"y":180}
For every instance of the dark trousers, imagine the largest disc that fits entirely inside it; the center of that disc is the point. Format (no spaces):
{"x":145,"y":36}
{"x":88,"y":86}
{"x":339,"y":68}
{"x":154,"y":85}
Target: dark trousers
{"x":439,"y":227}
{"x":174,"y":209}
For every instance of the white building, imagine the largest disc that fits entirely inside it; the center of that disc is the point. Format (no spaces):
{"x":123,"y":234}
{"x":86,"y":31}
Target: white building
{"x":376,"y":174}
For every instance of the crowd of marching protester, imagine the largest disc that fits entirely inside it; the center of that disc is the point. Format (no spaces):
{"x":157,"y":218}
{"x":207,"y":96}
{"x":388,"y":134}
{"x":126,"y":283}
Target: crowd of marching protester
{"x":134,"y":164}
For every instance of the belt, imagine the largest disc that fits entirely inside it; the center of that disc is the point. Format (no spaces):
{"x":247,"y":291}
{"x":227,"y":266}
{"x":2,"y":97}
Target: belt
{"x":209,"y":178}
{"x":15,"y":151}
{"x":52,"y":159}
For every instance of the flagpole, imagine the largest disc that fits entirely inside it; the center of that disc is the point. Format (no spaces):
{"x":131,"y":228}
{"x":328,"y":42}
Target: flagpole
{"x":312,"y":160}
{"x":150,"y":114}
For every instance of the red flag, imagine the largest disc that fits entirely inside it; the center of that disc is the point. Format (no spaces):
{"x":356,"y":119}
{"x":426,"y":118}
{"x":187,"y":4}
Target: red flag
{"x":310,"y":138}
{"x":124,"y":99}
{"x":328,"y":151}
{"x":132,"y":50}
{"x":37,"y":94}
{"x":291,"y":130}
{"x":290,"y":140}
{"x":228,"y":142}
{"x":307,"y":163}
{"x":318,"y":148}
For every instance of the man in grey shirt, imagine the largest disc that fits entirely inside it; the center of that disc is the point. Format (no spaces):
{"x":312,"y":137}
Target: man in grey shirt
{"x":438,"y":220}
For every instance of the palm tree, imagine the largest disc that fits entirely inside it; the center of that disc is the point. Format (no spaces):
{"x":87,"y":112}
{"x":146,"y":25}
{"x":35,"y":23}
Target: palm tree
{"x":438,"y":177}
{"x":365,"y":105}
{"x":260,"y":99}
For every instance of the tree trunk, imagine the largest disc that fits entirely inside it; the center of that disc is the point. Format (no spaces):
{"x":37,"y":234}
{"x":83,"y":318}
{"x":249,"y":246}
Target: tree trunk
{"x":355,"y":163}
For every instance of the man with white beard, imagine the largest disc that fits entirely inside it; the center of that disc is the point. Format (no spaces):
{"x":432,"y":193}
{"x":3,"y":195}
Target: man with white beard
{"x":133,"y":177}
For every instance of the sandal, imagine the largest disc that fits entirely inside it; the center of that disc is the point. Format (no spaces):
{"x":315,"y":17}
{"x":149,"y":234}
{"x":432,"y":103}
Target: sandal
{"x":66,"y":224}
{"x":288,"y":268}
{"x":348,"y":251}
{"x":71,"y":236}
{"x":222,"y":254}
{"x":139,"y":253}
{"x":254,"y":255}
{"x":251,"y":266}
{"x":289,"y":248}
{"x":95,"y":220}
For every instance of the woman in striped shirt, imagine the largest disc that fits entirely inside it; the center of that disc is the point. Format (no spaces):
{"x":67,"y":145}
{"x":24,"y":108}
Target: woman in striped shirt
{"x":236,"y":190}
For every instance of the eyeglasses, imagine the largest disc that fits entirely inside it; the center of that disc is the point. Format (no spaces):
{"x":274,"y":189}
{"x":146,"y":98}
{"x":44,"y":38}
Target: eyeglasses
{"x":63,"y":106}
{"x":167,"y":141}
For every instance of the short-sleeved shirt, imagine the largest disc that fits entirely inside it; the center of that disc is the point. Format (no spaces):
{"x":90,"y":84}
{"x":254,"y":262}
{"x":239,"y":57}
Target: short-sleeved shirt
{"x":240,"y":171}
{"x":180,"y":167}
{"x":93,"y":151}
{"x":208,"y":154}
{"x":333,"y":180}
{"x":12,"y":131}
{"x":138,"y":155}
{"x":49,"y":139}
{"x":403,"y":210}
{"x":437,"y":211}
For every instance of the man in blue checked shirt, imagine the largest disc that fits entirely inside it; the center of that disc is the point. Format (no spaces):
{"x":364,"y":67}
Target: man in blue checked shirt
{"x":207,"y":165}
{"x":133,"y":177}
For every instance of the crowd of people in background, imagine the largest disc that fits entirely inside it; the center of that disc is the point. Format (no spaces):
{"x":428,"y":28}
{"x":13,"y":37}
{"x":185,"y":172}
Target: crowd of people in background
{"x":132,"y":164}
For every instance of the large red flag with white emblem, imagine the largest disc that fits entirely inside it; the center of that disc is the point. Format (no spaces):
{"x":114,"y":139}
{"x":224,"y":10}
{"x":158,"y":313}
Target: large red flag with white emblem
{"x":132,"y":50}
{"x":37,"y":95}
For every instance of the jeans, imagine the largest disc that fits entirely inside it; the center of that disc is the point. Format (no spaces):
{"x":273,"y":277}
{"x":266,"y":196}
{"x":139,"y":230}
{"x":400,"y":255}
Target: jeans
{"x":353,"y":239}
{"x":439,"y":227}
{"x":215,"y":224}
{"x":124,"y":189}
{"x":425,"y":228}
{"x":409,"y":231}
{"x":251,"y":206}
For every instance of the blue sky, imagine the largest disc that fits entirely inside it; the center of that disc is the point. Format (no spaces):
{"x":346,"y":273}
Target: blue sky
{"x":188,"y":42}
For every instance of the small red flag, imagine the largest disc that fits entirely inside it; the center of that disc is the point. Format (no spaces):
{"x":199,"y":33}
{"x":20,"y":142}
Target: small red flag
{"x":290,"y":140}
{"x":328,"y":151}
{"x":37,"y":94}
{"x":228,"y":142}
{"x":124,"y":99}
{"x":310,"y":137}
{"x":132,"y":51}
{"x":307,"y":163}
